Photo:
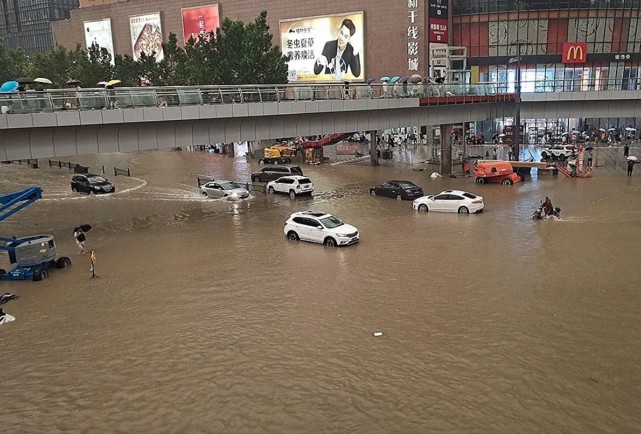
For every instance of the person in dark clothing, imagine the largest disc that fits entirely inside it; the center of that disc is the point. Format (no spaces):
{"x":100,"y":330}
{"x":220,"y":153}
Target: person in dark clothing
{"x":339,"y":56}
{"x":548,"y":209}
{"x":626,"y":150}
{"x":630,"y":167}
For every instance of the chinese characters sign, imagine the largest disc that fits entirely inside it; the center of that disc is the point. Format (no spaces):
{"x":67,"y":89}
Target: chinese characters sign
{"x":438,"y":20}
{"x":199,"y":20}
{"x":325,"y":48}
{"x":413,"y":32}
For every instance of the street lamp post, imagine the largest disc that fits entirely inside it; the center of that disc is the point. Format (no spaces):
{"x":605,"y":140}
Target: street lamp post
{"x":516,"y":136}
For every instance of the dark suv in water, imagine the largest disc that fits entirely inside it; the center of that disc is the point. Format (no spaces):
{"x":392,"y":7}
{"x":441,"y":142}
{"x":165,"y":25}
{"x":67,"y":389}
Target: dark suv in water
{"x":91,"y":183}
{"x":273,"y":172}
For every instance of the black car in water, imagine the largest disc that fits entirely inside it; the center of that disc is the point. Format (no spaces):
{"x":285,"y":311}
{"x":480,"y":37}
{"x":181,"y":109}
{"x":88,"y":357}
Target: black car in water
{"x":406,"y":190}
{"x":91,"y":184}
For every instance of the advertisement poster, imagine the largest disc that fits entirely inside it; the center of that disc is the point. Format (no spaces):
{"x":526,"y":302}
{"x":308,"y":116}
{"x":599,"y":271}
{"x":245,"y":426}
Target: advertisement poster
{"x":146,"y":35}
{"x":199,"y":20}
{"x":99,"y":33}
{"x":326,"y":48}
{"x":438,"y":22}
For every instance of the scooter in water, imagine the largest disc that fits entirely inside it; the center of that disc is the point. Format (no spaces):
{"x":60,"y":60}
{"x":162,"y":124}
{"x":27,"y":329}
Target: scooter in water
{"x":539,"y":213}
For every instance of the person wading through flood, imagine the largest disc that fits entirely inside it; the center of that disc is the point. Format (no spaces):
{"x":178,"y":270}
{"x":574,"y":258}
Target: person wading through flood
{"x":80,"y":237}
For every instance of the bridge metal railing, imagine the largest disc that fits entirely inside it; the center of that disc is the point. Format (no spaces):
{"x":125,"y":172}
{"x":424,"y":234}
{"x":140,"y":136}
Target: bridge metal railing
{"x":53,"y":100}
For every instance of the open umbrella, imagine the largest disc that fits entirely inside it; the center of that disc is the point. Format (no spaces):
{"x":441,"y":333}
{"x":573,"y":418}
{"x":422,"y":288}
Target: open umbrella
{"x":612,"y":129}
{"x":394,"y":79}
{"x":24,"y":80}
{"x":101,"y":84}
{"x":630,"y":129}
{"x":370,"y":81}
{"x":384,"y":78}
{"x":42,"y":80}
{"x":589,"y":148}
{"x":84,"y":228}
{"x":414,"y":78}
{"x":9,"y":86}
{"x":404,"y":79}
{"x":113,"y":82}
{"x":73,"y":82}
{"x":602,"y":130}
{"x":633,"y":158}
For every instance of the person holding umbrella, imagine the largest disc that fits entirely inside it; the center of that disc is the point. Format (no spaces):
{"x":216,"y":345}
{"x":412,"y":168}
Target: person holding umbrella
{"x":631,"y":161}
{"x":79,"y":235}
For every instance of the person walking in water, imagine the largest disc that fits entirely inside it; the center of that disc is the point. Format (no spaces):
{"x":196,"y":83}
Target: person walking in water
{"x":80,"y":237}
{"x":630,"y":167}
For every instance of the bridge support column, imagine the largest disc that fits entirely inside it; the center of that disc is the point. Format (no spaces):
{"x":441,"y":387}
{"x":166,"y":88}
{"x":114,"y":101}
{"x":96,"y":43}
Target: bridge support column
{"x":372,"y":148}
{"x":446,"y":150}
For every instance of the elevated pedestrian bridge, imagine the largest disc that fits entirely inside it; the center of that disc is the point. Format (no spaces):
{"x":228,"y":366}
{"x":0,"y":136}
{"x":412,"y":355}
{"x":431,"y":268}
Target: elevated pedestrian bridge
{"x":65,"y":122}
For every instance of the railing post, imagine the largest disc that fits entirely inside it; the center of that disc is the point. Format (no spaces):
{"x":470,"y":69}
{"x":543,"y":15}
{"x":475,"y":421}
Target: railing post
{"x":103,"y":169}
{"x":115,"y":172}
{"x":128,"y":172}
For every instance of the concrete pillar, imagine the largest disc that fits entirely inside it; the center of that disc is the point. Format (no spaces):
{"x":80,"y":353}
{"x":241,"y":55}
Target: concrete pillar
{"x":446,"y":150}
{"x":372,"y":148}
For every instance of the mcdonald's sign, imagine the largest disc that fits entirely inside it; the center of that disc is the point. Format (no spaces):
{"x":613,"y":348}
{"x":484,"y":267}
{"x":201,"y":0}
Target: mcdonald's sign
{"x":575,"y":52}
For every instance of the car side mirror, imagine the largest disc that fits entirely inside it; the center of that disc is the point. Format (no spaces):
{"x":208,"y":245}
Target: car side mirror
{"x":319,"y":227}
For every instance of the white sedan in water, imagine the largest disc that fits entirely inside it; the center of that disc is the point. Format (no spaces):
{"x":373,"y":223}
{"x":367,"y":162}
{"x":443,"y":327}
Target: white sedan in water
{"x":224,"y":189}
{"x":458,"y":201}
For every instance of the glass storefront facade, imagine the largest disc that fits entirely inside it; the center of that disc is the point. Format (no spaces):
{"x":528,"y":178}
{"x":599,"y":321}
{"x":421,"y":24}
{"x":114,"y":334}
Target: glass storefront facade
{"x":502,"y":36}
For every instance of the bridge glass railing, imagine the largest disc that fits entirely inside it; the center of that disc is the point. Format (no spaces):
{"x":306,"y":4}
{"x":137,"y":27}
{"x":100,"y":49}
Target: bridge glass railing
{"x":53,"y":100}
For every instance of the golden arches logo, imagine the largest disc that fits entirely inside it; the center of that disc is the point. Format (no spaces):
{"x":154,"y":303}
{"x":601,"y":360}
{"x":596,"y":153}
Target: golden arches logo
{"x":575,"y":52}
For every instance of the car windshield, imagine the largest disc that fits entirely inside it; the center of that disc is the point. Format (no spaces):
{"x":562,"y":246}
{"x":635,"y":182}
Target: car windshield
{"x":230,"y":185}
{"x":96,"y":179}
{"x":408,"y":185}
{"x":331,"y":222}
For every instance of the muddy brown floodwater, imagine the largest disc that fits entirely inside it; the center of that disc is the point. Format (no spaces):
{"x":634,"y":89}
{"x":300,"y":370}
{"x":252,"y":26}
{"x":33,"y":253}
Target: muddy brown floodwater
{"x":206,"y":319}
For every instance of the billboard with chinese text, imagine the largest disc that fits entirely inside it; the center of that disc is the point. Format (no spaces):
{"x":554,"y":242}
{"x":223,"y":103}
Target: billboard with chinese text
{"x":199,"y":20}
{"x":438,"y":22}
{"x":146,"y":35}
{"x":99,"y":33}
{"x":325,"y":48}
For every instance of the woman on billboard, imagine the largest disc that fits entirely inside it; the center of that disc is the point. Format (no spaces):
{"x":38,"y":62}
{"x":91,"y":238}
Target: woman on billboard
{"x":339,"y":56}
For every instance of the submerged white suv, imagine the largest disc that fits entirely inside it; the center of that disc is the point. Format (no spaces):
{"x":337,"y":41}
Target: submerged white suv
{"x":320,"y":227}
{"x":292,"y":185}
{"x":561,"y":152}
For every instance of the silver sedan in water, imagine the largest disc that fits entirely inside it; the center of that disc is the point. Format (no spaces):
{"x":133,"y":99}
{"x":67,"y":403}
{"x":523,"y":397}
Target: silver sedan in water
{"x":221,"y":189}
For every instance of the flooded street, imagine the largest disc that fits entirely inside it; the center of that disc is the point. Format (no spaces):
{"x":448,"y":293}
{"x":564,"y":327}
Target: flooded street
{"x":205,"y":318}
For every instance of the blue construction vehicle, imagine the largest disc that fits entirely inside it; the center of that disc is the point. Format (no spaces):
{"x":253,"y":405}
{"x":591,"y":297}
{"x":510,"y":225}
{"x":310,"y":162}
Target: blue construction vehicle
{"x":34,"y":255}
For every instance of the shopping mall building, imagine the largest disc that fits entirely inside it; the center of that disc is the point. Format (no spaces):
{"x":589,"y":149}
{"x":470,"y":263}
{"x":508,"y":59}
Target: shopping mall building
{"x":557,"y":44}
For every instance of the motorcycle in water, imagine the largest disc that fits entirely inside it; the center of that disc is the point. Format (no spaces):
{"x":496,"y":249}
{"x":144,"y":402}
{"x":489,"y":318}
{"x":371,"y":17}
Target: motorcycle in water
{"x":539,"y":213}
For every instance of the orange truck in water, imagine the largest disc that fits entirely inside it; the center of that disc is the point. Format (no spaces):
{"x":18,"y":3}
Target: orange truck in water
{"x":495,"y":171}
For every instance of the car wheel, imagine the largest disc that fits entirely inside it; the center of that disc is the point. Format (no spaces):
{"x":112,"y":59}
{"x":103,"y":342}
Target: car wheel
{"x":292,"y":236}
{"x":463,"y":210}
{"x":74,"y":189}
{"x":480,"y":180}
{"x":507,"y":181}
{"x":292,"y":194}
{"x":423,"y":208}
{"x":288,"y":160}
{"x":372,"y":192}
{"x":255,"y":179}
{"x":204,"y":193}
{"x":2,"y":271}
{"x":261,"y":161}
{"x":330,"y":242}
{"x":399,"y":197}
{"x":271,"y":190}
